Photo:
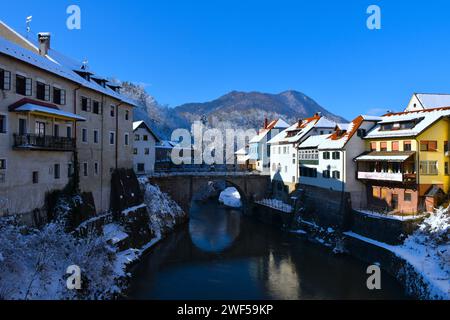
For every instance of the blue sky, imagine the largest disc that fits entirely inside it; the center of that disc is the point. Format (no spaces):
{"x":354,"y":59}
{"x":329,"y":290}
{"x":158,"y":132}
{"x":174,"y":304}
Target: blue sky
{"x":195,"y":51}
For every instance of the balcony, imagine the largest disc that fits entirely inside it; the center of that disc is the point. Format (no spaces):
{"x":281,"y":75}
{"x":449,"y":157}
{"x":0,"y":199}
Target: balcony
{"x":387,"y":176}
{"x":44,"y":143}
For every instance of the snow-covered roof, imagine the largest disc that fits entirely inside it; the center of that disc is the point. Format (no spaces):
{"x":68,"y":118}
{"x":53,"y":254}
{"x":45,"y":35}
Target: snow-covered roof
{"x":29,"y":107}
{"x":165,"y":144}
{"x":140,"y":124}
{"x":241,"y":152}
{"x":386,"y":156}
{"x":313,"y":141}
{"x":432,"y":100}
{"x":55,"y":63}
{"x":423,"y":119}
{"x":345,"y":132}
{"x":275,"y":124}
{"x":299,"y":130}
{"x":371,"y":118}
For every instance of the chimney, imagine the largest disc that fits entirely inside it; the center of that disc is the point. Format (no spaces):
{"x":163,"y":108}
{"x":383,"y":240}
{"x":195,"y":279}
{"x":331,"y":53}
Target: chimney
{"x":266,"y":123}
{"x":44,"y":43}
{"x":318,"y":114}
{"x":300,"y":121}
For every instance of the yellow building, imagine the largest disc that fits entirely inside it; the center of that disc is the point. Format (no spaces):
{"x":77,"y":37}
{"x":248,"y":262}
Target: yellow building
{"x":406,"y":165}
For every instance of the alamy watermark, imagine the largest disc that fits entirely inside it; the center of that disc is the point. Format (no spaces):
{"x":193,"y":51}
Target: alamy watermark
{"x":374,"y":280}
{"x":73,"y":22}
{"x":374,"y":20}
{"x":73,"y":282}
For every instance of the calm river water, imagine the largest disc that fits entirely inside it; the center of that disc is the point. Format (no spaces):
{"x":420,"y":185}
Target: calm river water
{"x":223,"y":255}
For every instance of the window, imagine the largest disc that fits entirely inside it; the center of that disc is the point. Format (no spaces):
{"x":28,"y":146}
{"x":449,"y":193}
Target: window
{"x":383,"y":146}
{"x":95,"y":136}
{"x":96,"y":168}
{"x":145,"y":138}
{"x":446,"y":169}
{"x":127,"y":115}
{"x":336,"y":175}
{"x":85,"y":169}
{"x":127,"y":138}
{"x":326,"y":155}
{"x":407,"y":197}
{"x":96,"y":107}
{"x":39,"y":129}
{"x":2,"y":123}
{"x":446,"y":146}
{"x":336,"y":155}
{"x":137,"y":137}
{"x":42,"y":91}
{"x":361,"y":133}
{"x":24,"y":86}
{"x":35,"y":177}
{"x":395,"y":146}
{"x":373,"y":146}
{"x":147,"y":151}
{"x":2,"y":164}
{"x":429,"y":168}
{"x":428,"y":145}
{"x":22,"y":126}
{"x":69,"y":170}
{"x":85,"y":104}
{"x":56,"y":130}
{"x":326,"y":174}
{"x":69,"y":132}
{"x":59,"y":96}
{"x":113,"y":111}
{"x":407,"y":146}
{"x":135,"y":151}
{"x":84,"y":135}
{"x":112,"y":138}
{"x":308,"y":172}
{"x":285,"y":169}
{"x":5,"y":80}
{"x":140,"y":167}
{"x":57,"y":171}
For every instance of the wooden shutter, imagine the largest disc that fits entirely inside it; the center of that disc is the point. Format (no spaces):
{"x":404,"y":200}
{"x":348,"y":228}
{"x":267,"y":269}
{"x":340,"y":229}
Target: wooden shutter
{"x":63,"y":97}
{"x":6,"y":80}
{"x":47,"y":92}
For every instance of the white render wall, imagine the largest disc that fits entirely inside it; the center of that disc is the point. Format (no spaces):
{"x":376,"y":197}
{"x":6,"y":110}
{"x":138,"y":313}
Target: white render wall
{"x":147,"y":159}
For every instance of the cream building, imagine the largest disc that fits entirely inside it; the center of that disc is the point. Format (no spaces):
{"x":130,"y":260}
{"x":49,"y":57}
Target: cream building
{"x":51,"y":108}
{"x":144,"y":151}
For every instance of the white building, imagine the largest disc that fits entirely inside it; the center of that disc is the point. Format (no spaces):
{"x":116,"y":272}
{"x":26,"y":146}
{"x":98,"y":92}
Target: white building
{"x":144,"y":152}
{"x":423,"y":101}
{"x":259,"y":153}
{"x":284,"y":165}
{"x":328,"y":161}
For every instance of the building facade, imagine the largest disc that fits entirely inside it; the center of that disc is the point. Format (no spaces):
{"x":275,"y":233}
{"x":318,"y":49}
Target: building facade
{"x":327,"y":161}
{"x":50,"y":111}
{"x":144,"y":151}
{"x":259,"y":153}
{"x":284,"y":165}
{"x":406,"y":163}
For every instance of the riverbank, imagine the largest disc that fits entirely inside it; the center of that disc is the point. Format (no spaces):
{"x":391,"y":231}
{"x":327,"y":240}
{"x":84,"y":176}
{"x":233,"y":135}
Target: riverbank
{"x":420,"y":262}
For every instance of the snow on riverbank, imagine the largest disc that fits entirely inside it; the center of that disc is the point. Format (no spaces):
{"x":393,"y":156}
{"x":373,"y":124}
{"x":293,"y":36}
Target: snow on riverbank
{"x":230,"y":197}
{"x":33,"y":262}
{"x":427,"y":251}
{"x":390,"y":216}
{"x":276,"y":204}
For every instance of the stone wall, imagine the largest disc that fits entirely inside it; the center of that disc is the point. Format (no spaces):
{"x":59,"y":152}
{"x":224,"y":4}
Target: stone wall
{"x":326,"y":208}
{"x":385,"y":230}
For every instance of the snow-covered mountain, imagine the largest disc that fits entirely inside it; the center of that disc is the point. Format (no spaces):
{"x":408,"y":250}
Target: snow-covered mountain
{"x":248,"y":109}
{"x":238,"y":110}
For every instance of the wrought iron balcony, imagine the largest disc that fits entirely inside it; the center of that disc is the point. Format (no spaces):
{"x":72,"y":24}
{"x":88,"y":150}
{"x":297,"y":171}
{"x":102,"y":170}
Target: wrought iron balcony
{"x":46,"y":143}
{"x":387,"y":176}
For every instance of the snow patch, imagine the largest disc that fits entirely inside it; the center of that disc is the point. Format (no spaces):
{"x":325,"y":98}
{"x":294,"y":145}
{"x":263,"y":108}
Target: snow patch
{"x":230,"y":197}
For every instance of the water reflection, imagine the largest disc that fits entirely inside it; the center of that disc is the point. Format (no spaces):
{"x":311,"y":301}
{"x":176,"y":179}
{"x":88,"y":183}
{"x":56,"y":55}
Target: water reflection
{"x":224,"y":255}
{"x":213,"y":230}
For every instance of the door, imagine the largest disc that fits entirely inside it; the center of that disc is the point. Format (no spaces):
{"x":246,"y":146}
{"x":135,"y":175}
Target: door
{"x":394,"y":203}
{"x":22,"y":127}
{"x":40,"y":128}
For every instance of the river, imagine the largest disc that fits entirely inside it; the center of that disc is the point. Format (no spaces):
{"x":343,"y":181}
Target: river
{"x":221,"y":254}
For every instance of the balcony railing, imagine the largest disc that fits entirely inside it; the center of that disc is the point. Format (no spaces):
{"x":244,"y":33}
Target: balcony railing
{"x":387,"y":176}
{"x":38,"y":142}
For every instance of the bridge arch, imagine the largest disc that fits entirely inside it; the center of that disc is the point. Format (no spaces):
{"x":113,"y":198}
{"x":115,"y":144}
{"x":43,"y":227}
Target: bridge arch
{"x":182,"y":187}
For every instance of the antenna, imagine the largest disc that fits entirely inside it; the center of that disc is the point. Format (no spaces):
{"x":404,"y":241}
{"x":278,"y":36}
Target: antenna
{"x":28,"y":22}
{"x":85,"y":64}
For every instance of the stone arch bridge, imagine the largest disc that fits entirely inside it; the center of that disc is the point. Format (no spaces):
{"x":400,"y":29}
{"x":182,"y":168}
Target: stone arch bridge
{"x":183,"y":186}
